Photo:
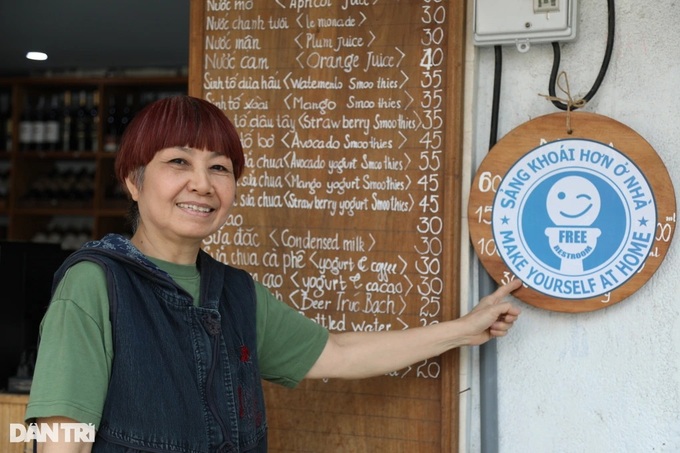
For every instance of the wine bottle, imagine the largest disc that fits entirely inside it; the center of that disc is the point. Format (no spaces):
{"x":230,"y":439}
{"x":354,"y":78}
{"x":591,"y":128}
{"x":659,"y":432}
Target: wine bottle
{"x":83,"y":235}
{"x":52,"y":125}
{"x":54,"y":233}
{"x":82,"y":186}
{"x":126,"y":114}
{"x":64,"y":183}
{"x":51,"y":189}
{"x":81,"y":119}
{"x":4,"y":183}
{"x":111,"y":130}
{"x":5,"y":122}
{"x":93,"y":122}
{"x":39,"y":123}
{"x":26,"y":126}
{"x":67,"y":123}
{"x":8,"y":134}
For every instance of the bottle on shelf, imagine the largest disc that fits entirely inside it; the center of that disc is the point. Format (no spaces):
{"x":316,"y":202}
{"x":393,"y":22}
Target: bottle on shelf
{"x":63,"y":180}
{"x":82,"y":118}
{"x":49,"y":189}
{"x":127,"y":113}
{"x":4,"y":184}
{"x":53,"y":124}
{"x":74,"y":235}
{"x":83,"y":185}
{"x":112,"y":124}
{"x":62,"y":186}
{"x":54,"y":233}
{"x":9,"y":141}
{"x":5,"y":121}
{"x":146,"y":98}
{"x":67,"y":123}
{"x":39,"y":123}
{"x":26,"y":126}
{"x":93,"y":122}
{"x":70,"y":235}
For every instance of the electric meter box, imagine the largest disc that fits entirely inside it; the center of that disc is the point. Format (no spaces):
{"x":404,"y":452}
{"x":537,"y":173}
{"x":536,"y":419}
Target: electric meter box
{"x":523,"y":22}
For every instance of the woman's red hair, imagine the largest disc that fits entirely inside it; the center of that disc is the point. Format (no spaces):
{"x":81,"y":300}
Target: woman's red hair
{"x":177,"y":121}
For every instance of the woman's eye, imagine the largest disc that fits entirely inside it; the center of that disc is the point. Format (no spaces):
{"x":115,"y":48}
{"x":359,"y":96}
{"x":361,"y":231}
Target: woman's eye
{"x":221,"y":168}
{"x":178,"y":160}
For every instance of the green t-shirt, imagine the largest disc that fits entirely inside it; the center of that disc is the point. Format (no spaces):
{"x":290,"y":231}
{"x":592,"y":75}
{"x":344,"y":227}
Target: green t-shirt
{"x":76,"y":348}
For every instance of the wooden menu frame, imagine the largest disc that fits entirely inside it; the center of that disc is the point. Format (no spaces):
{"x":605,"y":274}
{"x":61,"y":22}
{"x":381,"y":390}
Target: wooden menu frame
{"x":414,"y":80}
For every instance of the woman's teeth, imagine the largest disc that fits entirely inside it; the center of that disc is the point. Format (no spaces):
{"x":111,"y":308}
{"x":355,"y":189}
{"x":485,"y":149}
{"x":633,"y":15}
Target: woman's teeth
{"x":192,"y":207}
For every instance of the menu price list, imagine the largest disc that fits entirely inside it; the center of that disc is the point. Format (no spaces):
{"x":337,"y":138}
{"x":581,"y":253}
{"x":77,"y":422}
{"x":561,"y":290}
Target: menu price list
{"x":340,"y":108}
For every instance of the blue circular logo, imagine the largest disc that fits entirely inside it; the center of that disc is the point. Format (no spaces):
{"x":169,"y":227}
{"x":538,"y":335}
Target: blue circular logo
{"x":574,"y":219}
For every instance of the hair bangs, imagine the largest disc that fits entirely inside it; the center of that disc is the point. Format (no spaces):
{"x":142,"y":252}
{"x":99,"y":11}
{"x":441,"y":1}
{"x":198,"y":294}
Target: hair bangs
{"x":178,"y":121}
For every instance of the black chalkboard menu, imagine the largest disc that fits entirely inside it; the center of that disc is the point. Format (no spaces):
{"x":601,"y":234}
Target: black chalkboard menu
{"x":350,"y":113}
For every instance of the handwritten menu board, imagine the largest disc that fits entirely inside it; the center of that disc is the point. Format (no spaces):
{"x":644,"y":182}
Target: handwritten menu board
{"x":348,"y":111}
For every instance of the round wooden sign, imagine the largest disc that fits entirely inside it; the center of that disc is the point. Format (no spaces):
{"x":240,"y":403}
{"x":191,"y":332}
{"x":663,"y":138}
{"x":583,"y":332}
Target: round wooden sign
{"x":584,"y":218}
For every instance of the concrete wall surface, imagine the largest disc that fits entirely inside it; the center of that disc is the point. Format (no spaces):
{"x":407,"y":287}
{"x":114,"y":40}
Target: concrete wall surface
{"x":608,"y":380}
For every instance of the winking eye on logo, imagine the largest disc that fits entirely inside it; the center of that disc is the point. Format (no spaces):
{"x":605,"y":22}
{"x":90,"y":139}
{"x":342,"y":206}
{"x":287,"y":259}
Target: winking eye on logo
{"x":574,"y":219}
{"x":573,"y":204}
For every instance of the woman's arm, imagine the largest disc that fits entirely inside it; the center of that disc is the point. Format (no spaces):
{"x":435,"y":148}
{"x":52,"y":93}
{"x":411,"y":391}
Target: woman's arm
{"x":61,"y":446}
{"x":353,"y":355}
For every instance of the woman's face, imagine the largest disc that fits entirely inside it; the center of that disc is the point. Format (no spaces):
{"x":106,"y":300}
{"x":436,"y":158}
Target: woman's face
{"x":184,"y":194}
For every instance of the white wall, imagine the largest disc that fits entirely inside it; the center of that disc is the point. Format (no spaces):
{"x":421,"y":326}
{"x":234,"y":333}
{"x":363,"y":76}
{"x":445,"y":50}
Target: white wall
{"x":606,"y":381}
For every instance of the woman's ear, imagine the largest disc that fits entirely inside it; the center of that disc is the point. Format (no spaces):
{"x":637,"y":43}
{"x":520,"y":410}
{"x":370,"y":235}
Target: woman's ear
{"x":131,"y":188}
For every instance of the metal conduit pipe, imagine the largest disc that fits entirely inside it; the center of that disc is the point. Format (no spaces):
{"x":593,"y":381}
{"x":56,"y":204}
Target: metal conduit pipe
{"x":488,"y":380}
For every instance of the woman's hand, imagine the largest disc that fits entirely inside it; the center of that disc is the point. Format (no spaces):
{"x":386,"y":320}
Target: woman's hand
{"x":492,"y":317}
{"x":353,"y":355}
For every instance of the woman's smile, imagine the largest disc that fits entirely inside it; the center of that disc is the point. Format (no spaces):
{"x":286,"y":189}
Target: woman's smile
{"x":196,"y":208}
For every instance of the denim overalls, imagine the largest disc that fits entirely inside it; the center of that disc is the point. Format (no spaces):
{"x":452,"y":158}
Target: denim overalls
{"x":184,"y":378}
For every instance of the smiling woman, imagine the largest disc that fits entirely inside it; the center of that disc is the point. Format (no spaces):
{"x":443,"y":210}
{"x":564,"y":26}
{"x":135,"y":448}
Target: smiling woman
{"x":158,"y":313}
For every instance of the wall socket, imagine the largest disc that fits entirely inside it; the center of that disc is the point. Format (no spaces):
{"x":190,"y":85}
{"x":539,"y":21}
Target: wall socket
{"x":523,"y":22}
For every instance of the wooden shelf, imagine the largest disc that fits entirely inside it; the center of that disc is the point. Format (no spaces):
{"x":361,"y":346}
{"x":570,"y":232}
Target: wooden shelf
{"x":24,"y":215}
{"x":56,"y":155}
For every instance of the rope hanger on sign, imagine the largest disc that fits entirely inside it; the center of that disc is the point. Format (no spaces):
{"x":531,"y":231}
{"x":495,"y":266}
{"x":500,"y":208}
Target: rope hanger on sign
{"x":569,"y":104}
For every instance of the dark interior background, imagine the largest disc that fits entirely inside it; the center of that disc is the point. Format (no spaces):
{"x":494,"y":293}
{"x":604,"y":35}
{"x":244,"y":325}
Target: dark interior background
{"x":81,"y":37}
{"x":93,"y":35}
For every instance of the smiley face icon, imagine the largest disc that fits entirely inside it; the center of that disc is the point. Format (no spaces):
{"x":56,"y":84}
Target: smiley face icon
{"x":573,"y":204}
{"x":573,"y":201}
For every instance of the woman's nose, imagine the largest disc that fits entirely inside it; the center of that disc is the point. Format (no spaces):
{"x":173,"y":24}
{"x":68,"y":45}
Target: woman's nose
{"x":200,"y":182}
